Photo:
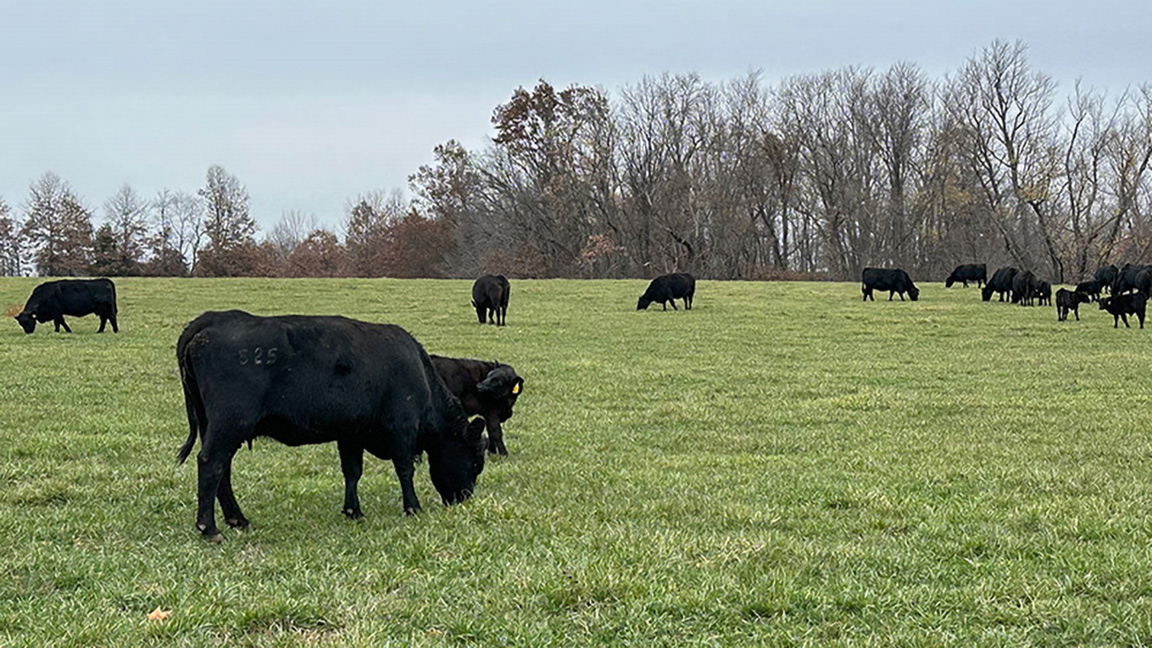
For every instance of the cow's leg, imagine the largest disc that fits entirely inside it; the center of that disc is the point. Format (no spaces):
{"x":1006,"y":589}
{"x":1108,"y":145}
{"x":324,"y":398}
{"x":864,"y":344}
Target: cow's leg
{"x":112,"y":319}
{"x":212,"y":465}
{"x":1140,"y":314}
{"x":352,"y":463}
{"x":103,"y":321}
{"x":1124,"y":316}
{"x":228,"y":506}
{"x":673,"y":302}
{"x":495,"y":437}
{"x":1077,"y":311}
{"x":404,"y":472}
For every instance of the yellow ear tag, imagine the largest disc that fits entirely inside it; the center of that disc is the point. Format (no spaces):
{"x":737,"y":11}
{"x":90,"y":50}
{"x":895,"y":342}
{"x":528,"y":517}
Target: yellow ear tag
{"x":516,"y":388}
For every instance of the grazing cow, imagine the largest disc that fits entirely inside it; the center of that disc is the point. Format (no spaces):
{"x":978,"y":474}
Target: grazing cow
{"x":488,"y":389}
{"x":977,"y":272}
{"x":1127,"y":277}
{"x":1001,"y":283}
{"x":311,"y":379}
{"x":666,"y":289}
{"x":1089,"y":288}
{"x":1121,"y":306}
{"x":1069,"y":300}
{"x":490,"y":298}
{"x":52,"y":300}
{"x":1024,"y":286}
{"x":894,"y":280}
{"x":1106,"y":276}
{"x":1043,"y":293}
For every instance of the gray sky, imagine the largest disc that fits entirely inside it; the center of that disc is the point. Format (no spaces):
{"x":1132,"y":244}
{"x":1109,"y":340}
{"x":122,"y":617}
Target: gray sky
{"x":312,"y":103}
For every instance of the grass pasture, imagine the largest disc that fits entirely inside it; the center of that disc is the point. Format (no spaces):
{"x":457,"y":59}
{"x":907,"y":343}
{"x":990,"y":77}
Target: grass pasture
{"x":783,"y":465}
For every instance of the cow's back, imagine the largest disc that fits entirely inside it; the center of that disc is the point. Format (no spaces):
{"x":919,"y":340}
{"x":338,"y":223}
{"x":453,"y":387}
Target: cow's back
{"x":326,"y":373}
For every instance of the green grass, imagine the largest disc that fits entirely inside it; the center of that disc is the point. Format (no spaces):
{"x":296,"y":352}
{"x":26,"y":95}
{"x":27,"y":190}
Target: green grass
{"x":783,"y":465}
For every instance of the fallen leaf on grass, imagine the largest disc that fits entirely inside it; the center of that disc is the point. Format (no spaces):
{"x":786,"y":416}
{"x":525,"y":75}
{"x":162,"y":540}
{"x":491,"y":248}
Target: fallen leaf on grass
{"x":158,"y":614}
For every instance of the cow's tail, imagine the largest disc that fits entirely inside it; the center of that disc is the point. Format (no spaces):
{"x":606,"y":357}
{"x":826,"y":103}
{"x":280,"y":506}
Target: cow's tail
{"x":194,"y":407}
{"x":115,"y":308}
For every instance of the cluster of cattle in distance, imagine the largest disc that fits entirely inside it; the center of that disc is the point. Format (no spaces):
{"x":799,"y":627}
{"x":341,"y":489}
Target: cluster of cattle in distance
{"x":1130,"y":288}
{"x":307,"y":379}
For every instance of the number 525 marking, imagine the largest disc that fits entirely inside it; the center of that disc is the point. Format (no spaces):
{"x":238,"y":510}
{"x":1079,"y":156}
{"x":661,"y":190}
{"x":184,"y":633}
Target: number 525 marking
{"x":258,"y":355}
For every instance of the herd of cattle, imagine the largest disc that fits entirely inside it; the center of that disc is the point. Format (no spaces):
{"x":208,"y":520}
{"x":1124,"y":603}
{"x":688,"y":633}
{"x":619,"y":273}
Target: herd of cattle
{"x":305,"y":379}
{"x":1129,"y":286}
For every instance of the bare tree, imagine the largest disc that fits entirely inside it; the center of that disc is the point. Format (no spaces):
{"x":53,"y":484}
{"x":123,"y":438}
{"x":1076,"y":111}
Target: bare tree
{"x":126,"y":215}
{"x":11,"y":244}
{"x":58,"y":227}
{"x":229,"y":227}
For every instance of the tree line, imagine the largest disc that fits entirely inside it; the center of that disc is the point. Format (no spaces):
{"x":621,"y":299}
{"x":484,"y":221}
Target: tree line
{"x":818,"y":176}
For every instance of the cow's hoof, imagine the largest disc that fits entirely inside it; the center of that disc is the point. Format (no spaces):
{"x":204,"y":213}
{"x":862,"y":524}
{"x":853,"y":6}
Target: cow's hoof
{"x":353,"y":514}
{"x":214,"y":538}
{"x":240,"y":523}
{"x":411,"y":510}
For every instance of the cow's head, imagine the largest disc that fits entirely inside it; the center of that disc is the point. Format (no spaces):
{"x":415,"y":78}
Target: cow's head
{"x":986,"y":293}
{"x":499,"y":391}
{"x":458,"y":461}
{"x":951,"y":280}
{"x":26,"y":320}
{"x":1105,"y":302}
{"x":643,"y":303}
{"x":914,"y":293}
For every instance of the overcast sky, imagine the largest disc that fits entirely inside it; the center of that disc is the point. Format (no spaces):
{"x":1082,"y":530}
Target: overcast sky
{"x":312,"y":103}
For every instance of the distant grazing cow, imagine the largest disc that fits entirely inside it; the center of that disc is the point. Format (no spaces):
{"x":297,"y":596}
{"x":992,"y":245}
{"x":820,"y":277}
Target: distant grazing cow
{"x":52,"y":300}
{"x":490,"y":298}
{"x":1089,"y":288}
{"x":1127,"y":277}
{"x":488,"y":389}
{"x":1024,"y":286}
{"x":977,"y":272}
{"x":1043,"y":293}
{"x":310,"y":379}
{"x":894,"y":280}
{"x":1001,"y":283}
{"x":1069,"y":300}
{"x":666,"y":289}
{"x":1121,"y":306}
{"x":1106,"y":276}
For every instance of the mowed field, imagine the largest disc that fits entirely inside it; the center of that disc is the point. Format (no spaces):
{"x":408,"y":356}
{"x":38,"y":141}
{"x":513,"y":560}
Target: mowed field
{"x":781,"y":465}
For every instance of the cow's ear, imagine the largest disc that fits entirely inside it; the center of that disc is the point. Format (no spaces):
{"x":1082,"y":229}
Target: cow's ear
{"x":475,"y":430}
{"x":490,"y":383}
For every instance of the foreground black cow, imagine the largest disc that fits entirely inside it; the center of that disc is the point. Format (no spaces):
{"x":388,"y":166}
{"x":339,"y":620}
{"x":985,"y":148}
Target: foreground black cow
{"x":1089,"y":288}
{"x":894,"y":280}
{"x":1043,"y":293}
{"x":488,"y":389}
{"x":304,"y":380}
{"x":666,"y":289}
{"x":1121,"y":306}
{"x":977,"y":272}
{"x":490,"y":298}
{"x":1069,"y":300}
{"x":1106,"y":276}
{"x":1024,"y":286}
{"x":52,"y":300}
{"x":1001,"y":283}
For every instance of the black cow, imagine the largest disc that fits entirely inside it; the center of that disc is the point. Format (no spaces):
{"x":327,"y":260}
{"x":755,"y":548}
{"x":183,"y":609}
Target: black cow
{"x":1091,"y":289}
{"x":1126,"y":279}
{"x":52,"y":300}
{"x":1024,"y":286}
{"x":490,"y":298}
{"x":1143,"y":282}
{"x":1001,"y":283}
{"x":1106,"y":276}
{"x":666,"y":289}
{"x":977,"y":272}
{"x":488,"y":389}
{"x":1121,"y":306}
{"x":1043,"y":293}
{"x":1069,"y":300}
{"x":894,"y":280}
{"x":310,"y":379}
